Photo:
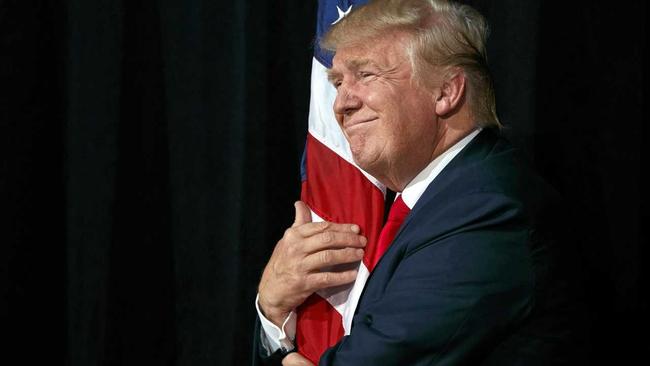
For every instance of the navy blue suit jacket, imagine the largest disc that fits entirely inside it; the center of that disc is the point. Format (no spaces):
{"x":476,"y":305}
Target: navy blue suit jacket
{"x":477,"y":274}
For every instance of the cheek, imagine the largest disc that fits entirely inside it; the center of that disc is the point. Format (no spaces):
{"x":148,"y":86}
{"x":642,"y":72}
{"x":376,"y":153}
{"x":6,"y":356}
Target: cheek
{"x":374,"y":99}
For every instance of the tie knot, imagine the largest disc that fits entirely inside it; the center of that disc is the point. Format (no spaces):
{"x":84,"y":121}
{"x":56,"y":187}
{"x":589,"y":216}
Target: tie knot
{"x":398,"y":210}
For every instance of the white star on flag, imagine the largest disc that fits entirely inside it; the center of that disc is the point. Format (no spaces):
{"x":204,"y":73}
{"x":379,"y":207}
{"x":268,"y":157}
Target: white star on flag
{"x":342,"y":13}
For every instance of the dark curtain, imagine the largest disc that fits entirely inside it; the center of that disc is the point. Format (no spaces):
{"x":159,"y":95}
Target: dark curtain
{"x":150,"y":157}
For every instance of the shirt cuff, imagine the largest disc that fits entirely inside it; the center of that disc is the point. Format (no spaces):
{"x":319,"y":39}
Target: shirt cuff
{"x":274,"y":338}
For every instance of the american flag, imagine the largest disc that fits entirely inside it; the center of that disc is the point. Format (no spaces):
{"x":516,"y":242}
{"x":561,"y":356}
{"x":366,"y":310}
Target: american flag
{"x":336,"y":190}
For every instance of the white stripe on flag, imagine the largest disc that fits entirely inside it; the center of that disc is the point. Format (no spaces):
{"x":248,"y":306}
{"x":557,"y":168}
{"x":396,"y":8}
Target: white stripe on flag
{"x":345,"y":298}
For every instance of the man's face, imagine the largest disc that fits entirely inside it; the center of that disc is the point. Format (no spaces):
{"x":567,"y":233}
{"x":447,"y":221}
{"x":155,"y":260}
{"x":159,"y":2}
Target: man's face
{"x":387,"y":118}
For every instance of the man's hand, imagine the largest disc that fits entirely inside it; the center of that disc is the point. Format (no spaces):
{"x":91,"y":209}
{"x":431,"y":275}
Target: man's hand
{"x":295,"y":359}
{"x":304,"y":261}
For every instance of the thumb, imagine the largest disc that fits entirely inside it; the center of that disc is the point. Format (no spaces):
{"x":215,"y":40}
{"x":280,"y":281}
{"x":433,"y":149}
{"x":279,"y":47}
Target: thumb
{"x":303,"y":214}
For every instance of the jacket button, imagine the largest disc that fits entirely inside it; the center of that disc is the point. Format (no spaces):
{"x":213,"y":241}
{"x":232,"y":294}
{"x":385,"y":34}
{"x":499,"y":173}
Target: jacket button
{"x":368,"y":319}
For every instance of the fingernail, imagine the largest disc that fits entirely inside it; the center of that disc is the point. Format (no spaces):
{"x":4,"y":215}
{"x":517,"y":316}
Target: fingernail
{"x":364,"y":241}
{"x":355,"y":229}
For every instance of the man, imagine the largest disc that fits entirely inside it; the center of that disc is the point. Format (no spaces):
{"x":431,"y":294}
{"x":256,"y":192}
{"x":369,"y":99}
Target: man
{"x":473,"y":275}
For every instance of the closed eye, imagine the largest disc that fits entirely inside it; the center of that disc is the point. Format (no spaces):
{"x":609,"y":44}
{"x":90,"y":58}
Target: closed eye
{"x":365,"y":74}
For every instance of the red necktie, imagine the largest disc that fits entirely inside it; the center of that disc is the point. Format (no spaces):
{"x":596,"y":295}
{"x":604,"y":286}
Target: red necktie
{"x":396,"y":215}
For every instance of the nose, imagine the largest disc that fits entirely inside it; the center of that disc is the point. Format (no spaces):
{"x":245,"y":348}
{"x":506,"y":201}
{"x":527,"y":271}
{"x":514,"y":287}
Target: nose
{"x":347,"y":101}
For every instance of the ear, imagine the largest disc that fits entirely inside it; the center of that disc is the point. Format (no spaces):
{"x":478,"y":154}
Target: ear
{"x":452,"y":91}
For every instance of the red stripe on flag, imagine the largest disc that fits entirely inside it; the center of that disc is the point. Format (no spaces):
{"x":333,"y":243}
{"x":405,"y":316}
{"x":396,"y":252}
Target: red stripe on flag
{"x":319,"y":327}
{"x":336,"y":191}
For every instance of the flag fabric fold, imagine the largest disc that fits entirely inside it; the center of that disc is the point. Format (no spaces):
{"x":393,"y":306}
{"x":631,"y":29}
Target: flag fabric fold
{"x":336,"y":190}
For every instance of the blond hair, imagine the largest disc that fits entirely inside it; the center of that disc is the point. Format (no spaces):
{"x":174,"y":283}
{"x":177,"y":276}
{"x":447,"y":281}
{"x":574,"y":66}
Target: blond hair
{"x":442,"y":34}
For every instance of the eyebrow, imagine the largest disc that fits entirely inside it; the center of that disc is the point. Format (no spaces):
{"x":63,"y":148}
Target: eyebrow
{"x":333,"y":75}
{"x":353,"y":65}
{"x":358,"y":63}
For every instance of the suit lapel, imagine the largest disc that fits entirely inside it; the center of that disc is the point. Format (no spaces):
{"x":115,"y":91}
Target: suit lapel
{"x":478,"y":149}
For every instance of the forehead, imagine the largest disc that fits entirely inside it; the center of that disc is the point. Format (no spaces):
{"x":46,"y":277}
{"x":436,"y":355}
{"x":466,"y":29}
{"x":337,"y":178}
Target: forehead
{"x":386,"y":51}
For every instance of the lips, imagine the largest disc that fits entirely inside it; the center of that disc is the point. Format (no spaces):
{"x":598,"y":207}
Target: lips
{"x":347,"y":125}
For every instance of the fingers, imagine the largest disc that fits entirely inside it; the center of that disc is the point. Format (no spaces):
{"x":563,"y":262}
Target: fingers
{"x":312,"y":237}
{"x":332,"y":240}
{"x":328,"y":258}
{"x":303,"y":214}
{"x":321,"y":280}
{"x":310,"y":256}
{"x":314,"y":228}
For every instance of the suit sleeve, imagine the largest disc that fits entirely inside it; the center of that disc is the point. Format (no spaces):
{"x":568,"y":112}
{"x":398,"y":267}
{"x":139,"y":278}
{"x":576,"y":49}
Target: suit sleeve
{"x":448,"y":299}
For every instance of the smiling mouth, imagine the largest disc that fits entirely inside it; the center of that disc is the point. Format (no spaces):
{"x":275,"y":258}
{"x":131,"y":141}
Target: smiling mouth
{"x":357,"y":123}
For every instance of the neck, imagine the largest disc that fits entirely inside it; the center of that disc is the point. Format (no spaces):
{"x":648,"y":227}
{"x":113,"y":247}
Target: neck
{"x":448,"y":135}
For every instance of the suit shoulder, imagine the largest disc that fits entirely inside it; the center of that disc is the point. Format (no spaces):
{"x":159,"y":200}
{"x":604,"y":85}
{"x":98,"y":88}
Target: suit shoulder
{"x":490,"y":165}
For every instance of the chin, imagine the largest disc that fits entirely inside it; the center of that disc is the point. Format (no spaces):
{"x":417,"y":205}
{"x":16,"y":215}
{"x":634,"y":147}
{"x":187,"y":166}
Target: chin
{"x":366,"y":156}
{"x":369,"y":165}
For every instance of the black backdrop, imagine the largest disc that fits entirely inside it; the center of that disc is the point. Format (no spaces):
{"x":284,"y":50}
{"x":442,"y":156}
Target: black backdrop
{"x":150,"y":153}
